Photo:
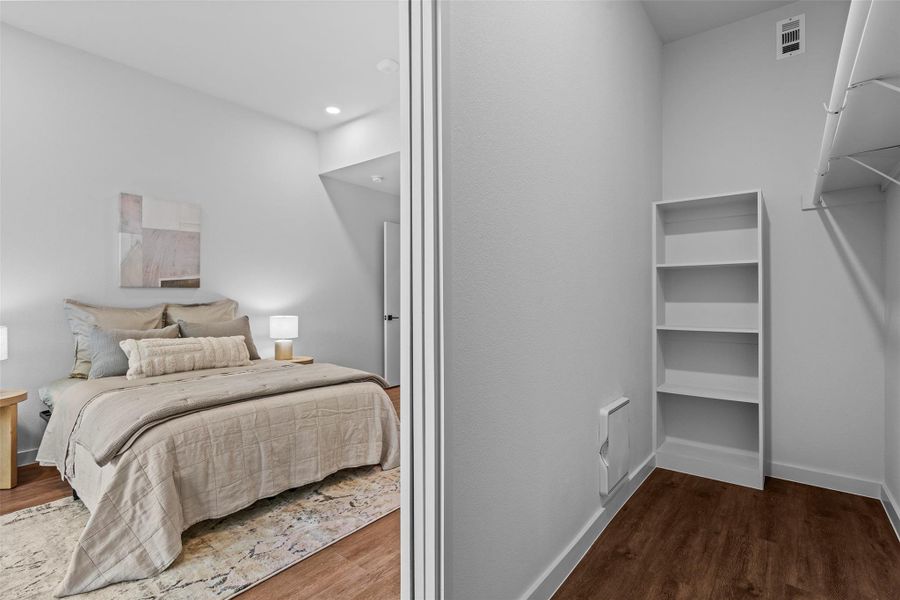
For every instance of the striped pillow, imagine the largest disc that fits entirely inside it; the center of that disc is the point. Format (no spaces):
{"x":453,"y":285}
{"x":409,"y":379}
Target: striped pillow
{"x":107,"y":358}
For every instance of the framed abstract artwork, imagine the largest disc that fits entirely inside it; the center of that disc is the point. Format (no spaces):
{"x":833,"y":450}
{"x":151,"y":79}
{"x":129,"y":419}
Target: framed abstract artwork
{"x":159,"y":243}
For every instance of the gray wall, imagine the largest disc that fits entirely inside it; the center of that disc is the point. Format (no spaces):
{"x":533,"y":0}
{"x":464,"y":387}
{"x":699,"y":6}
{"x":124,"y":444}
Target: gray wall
{"x":553,"y":158}
{"x":77,"y":130}
{"x":892,"y":356}
{"x":735,"y":118}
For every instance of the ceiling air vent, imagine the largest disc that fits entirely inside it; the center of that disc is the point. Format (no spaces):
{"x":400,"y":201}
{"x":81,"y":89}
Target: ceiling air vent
{"x":790,"y":37}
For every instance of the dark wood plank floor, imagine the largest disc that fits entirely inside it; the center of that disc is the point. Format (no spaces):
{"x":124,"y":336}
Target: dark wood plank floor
{"x":365,"y":564}
{"x":685,"y":537}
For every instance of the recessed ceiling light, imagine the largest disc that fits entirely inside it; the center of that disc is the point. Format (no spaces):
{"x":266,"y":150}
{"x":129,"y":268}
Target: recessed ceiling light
{"x":388,"y":65}
{"x":332,"y":110}
{"x":377,"y":178}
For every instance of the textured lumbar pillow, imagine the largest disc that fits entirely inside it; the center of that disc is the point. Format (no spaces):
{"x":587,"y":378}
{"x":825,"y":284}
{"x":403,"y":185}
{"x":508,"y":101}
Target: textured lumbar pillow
{"x":152,"y":357}
{"x":239,"y":326}
{"x":107,"y":358}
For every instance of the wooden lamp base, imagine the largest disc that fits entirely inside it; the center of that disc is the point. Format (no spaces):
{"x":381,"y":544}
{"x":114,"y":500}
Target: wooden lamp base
{"x":284,"y":349}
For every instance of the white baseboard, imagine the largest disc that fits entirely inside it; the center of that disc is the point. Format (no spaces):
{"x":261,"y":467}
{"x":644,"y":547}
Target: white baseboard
{"x":26,"y":457}
{"x":550,"y":580}
{"x":891,"y":508}
{"x":825,"y":479}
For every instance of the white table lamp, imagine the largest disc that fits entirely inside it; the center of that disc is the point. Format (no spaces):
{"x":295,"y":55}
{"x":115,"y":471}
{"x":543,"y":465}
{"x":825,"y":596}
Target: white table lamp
{"x":3,"y":351}
{"x":283,"y":329}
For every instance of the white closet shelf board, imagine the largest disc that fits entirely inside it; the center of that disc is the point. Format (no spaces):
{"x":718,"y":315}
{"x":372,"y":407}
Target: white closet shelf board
{"x":699,"y":202}
{"x":707,"y":329}
{"x":749,"y":397}
{"x":865,"y":119}
{"x":710,"y":263}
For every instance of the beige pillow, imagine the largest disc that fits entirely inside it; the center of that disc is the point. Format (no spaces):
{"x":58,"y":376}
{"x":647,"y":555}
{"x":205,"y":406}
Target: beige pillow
{"x":209,"y":312}
{"x":84,"y":317}
{"x":150,"y":357}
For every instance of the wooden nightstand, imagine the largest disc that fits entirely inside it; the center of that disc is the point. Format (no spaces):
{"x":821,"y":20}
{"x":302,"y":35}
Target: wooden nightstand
{"x":303,"y":360}
{"x":9,"y":400}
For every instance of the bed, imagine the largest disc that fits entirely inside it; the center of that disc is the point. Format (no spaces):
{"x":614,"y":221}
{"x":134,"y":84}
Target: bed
{"x":150,"y":457}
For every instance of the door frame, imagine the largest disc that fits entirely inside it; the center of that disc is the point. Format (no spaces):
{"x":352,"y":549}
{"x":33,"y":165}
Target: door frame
{"x":421,"y":260}
{"x":389,"y":348}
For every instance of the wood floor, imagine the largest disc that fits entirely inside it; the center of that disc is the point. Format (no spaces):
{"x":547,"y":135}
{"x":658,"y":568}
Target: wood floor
{"x":685,"y":537}
{"x":365,"y":564}
{"x":678,"y":537}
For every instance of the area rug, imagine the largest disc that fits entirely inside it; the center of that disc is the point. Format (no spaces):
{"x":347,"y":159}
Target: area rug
{"x":221,"y":557}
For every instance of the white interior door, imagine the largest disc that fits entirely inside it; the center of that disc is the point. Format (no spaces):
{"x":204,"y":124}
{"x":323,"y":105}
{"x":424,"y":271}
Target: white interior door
{"x":392,"y":302}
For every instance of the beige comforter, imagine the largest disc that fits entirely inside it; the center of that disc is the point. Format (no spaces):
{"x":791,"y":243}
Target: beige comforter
{"x":186,"y":447}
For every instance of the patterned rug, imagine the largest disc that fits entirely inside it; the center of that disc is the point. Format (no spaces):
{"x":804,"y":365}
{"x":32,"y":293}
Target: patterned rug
{"x":221,"y":557}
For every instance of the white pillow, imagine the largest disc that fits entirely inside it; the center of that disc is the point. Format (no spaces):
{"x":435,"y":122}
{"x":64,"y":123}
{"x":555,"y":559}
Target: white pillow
{"x":158,"y":356}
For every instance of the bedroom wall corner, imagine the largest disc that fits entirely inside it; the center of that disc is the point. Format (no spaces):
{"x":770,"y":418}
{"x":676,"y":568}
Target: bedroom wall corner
{"x":77,"y":130}
{"x":551,"y":125}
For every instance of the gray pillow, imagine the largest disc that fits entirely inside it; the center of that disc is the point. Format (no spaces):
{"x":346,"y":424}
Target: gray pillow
{"x":107,"y":357}
{"x":239,"y":326}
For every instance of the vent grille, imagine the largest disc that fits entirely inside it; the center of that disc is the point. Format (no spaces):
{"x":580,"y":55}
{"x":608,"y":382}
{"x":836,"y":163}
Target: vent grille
{"x":790,"y":37}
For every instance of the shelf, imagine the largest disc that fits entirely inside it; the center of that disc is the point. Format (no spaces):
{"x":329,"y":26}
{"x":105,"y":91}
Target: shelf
{"x":707,"y":329}
{"x":707,"y":392}
{"x":701,"y":265}
{"x":708,"y":460}
{"x":708,"y":386}
{"x":862,"y":117}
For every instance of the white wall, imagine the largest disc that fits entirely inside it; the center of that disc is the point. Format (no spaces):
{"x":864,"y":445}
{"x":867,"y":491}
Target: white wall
{"x":735,"y":118}
{"x":892,"y":340}
{"x":77,"y":130}
{"x":370,"y":136}
{"x":553,"y":158}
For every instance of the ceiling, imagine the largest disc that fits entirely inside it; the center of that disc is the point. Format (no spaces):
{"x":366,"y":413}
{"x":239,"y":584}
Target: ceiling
{"x":286,"y":59}
{"x":676,"y":19}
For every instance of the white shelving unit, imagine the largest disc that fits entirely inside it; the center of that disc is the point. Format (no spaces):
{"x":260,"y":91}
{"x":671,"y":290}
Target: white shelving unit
{"x":708,"y":341}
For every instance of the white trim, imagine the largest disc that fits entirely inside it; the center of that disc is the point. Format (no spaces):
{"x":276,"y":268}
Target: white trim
{"x":892,"y":508}
{"x":26,"y":457}
{"x":824,"y":479}
{"x":421,"y":259}
{"x":557,"y":573}
{"x":407,"y":541}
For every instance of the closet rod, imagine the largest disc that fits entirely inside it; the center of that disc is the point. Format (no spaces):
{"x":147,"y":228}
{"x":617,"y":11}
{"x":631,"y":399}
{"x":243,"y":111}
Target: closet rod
{"x":853,"y":33}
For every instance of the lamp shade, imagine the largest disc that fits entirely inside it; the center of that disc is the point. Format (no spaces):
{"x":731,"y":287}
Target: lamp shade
{"x":3,"y":342}
{"x":284,"y":327}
